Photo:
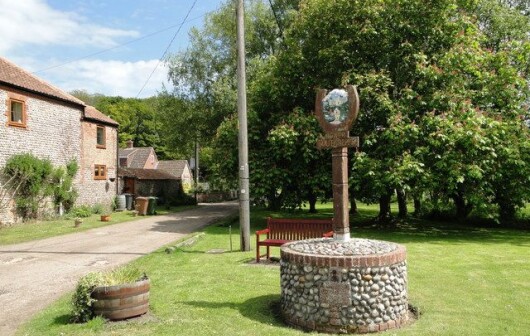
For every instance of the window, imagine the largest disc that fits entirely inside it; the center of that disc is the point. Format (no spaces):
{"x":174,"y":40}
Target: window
{"x":16,"y":111}
{"x":101,"y":140}
{"x":100,"y":172}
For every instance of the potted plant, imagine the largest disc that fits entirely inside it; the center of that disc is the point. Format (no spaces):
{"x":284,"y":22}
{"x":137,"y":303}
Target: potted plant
{"x":105,"y":214}
{"x":116,"y":295}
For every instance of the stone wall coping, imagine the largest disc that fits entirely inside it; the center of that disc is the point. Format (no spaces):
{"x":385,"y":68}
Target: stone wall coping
{"x":345,"y":261}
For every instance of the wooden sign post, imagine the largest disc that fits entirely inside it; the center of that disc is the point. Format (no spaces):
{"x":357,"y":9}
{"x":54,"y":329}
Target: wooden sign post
{"x":336,"y":113}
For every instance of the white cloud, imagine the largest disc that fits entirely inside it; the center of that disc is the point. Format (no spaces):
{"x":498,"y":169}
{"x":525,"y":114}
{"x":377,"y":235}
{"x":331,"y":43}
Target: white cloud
{"x":28,"y":23}
{"x":111,"y":78}
{"x":35,"y":22}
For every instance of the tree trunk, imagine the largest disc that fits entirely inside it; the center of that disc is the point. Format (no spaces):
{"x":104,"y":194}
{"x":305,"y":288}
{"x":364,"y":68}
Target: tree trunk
{"x":506,"y":212}
{"x":462,"y":209}
{"x":353,"y":203}
{"x":353,"y":206}
{"x":402,"y":203}
{"x":417,"y":207}
{"x":275,"y":201}
{"x":384,"y":207}
{"x":312,"y":199}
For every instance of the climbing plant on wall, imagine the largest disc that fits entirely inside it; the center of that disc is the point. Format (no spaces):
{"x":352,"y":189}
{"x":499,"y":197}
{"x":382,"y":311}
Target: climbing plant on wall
{"x":38,"y":180}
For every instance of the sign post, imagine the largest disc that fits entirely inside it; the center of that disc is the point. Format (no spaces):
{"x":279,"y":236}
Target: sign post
{"x":336,"y":113}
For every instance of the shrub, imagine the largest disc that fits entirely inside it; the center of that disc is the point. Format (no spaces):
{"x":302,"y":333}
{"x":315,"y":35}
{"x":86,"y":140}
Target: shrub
{"x":63,"y":192}
{"x":81,"y":211}
{"x":34,"y":176}
{"x":82,"y":300}
{"x":98,"y":209}
{"x":37,"y":179}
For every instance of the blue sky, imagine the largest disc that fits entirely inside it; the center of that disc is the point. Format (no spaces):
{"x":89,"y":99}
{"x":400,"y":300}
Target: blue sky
{"x":48,"y":37}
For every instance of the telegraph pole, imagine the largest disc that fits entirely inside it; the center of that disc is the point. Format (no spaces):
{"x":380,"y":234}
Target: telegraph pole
{"x":244,"y":195}
{"x":196,"y":167}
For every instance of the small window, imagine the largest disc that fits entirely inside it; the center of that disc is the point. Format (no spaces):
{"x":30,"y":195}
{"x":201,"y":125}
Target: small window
{"x":101,"y":139}
{"x":17,"y":113}
{"x":100,"y":172}
{"x":123,"y":162}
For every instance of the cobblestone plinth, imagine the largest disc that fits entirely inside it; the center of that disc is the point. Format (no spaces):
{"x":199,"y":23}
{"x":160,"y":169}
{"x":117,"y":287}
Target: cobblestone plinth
{"x":357,"y":286}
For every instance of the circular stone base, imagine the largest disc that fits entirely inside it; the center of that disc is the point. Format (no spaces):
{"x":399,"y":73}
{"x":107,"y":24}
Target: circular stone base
{"x":354,"y":286}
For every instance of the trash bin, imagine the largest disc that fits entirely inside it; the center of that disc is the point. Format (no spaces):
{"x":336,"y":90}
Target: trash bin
{"x":129,"y":201}
{"x":120,"y":202}
{"x":141,"y":205}
{"x":151,"y":208}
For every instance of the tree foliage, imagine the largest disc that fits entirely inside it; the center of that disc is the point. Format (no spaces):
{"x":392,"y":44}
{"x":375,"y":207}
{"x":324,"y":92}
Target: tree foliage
{"x":444,"y":100}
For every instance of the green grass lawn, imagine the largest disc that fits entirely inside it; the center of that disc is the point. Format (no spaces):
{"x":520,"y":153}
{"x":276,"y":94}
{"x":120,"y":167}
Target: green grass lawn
{"x":465,"y":281}
{"x":44,"y":229}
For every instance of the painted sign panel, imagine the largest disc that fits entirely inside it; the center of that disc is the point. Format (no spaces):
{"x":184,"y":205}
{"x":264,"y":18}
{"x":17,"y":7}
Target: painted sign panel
{"x":337,"y":110}
{"x":335,"y":106}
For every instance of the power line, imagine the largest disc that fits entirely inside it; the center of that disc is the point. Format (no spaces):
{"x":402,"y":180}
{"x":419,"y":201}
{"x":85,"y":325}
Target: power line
{"x":280,"y":26}
{"x":167,"y":49}
{"x":122,"y":44}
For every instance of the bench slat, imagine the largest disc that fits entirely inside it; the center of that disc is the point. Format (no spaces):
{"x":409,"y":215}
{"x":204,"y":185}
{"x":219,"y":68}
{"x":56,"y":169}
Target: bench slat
{"x":282,"y":230}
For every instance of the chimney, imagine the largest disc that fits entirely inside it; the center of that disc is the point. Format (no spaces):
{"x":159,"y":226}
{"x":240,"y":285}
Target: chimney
{"x":130,"y":144}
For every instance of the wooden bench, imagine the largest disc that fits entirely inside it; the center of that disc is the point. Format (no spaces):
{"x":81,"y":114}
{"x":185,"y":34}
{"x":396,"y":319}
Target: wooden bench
{"x":280,"y":231}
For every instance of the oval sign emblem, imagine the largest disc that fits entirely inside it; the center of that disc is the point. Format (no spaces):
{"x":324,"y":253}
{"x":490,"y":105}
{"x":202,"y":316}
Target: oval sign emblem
{"x":336,"y":111}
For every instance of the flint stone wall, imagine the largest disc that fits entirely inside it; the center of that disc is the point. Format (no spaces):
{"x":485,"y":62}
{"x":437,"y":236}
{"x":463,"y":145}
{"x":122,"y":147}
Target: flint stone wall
{"x":356,"y":293}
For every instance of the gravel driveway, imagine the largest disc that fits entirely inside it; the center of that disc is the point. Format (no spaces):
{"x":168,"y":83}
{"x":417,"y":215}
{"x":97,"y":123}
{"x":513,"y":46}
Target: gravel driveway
{"x":34,"y":274}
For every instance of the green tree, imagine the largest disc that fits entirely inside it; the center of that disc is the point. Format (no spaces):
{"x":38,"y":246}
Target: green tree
{"x":91,"y":99}
{"x":138,"y":119}
{"x":385,"y":47}
{"x":205,"y":97}
{"x":294,"y":171}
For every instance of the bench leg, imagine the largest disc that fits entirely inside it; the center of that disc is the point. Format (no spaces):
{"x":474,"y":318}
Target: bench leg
{"x":268,"y":252}
{"x":257,"y":253}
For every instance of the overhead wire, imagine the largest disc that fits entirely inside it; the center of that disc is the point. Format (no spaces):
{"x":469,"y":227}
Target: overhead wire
{"x":167,"y":49}
{"x":122,"y":44}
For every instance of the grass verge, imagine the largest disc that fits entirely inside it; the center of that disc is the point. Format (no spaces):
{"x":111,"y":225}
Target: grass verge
{"x":464,"y":281}
{"x":44,"y":229}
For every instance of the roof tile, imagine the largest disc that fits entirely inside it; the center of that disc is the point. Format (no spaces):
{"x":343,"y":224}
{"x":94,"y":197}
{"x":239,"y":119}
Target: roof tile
{"x":145,"y":174}
{"x":175,"y":167}
{"x":14,"y":75}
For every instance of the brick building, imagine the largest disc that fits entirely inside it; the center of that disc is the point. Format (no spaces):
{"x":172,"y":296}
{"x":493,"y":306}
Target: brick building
{"x":37,"y":118}
{"x":142,"y":174}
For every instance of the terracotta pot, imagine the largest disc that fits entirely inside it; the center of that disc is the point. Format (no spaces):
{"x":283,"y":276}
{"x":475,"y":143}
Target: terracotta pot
{"x":105,"y":218}
{"x":122,"y":301}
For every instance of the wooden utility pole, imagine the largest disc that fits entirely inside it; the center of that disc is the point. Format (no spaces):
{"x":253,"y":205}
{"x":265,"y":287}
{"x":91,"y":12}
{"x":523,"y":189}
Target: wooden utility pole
{"x":244,"y":194}
{"x":196,"y":167}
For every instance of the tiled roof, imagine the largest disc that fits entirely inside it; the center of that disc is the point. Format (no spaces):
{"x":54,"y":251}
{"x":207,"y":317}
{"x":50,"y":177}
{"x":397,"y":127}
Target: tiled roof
{"x":136,"y":157}
{"x":175,"y":167}
{"x":13,"y":75}
{"x":145,"y":174}
{"x":92,"y":113}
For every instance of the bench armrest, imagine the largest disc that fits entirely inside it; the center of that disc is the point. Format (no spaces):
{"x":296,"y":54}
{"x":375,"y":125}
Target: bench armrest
{"x":260,"y":232}
{"x":328,"y":234}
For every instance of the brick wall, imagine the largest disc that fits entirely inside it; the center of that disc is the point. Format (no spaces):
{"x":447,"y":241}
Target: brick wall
{"x":52,"y":132}
{"x":151,"y":161}
{"x":92,"y":191}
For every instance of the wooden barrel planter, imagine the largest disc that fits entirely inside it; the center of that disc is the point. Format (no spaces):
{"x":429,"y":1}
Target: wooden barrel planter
{"x":122,"y":301}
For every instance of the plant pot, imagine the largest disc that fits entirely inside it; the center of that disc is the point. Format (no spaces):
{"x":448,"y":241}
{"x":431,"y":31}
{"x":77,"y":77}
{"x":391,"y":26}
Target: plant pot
{"x":105,"y":218}
{"x":122,"y":301}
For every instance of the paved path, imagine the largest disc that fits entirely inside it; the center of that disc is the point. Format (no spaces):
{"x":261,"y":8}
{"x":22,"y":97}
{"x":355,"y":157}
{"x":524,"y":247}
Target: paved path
{"x":34,"y":274}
